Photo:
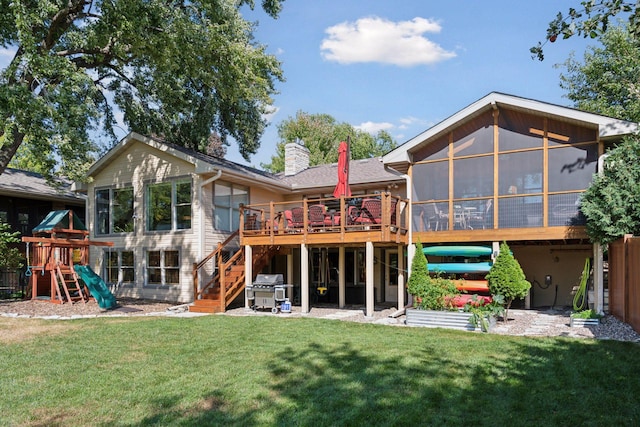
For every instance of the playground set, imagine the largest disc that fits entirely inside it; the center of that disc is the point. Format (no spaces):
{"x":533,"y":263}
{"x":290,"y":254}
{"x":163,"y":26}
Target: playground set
{"x":57,"y":267}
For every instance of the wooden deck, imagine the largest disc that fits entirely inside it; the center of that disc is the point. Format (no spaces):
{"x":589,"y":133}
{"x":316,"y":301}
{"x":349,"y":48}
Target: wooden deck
{"x":378,"y":218}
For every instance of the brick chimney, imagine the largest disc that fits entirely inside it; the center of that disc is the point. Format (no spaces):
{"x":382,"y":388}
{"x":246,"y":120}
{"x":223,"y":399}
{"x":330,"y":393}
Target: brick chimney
{"x":296,"y":157}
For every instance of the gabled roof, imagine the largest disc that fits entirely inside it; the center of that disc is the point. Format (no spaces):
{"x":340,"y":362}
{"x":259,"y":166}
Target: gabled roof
{"x":31,"y":185}
{"x":608,"y":127}
{"x":317,"y":178}
{"x":203,"y":163}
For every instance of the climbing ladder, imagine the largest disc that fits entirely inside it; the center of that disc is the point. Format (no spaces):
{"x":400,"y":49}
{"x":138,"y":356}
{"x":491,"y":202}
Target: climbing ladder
{"x":65,"y":280}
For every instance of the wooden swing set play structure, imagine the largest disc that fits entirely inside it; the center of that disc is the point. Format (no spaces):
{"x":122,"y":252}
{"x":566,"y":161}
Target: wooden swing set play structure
{"x":59,"y":242}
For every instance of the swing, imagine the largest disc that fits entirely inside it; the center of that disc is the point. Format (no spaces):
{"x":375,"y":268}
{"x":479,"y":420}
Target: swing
{"x":28,"y":271}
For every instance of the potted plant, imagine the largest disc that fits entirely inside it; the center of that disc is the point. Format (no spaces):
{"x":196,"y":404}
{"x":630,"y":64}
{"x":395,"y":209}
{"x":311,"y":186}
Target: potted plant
{"x":484,"y":313}
{"x":584,"y":318}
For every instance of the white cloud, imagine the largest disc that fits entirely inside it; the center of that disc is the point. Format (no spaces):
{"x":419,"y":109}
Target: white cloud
{"x":373,"y":128}
{"x":406,"y":122}
{"x":374,"y":39}
{"x":271,"y":113}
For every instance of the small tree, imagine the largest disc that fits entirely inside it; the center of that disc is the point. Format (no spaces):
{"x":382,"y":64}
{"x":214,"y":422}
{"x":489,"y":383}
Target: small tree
{"x":506,"y":278}
{"x":419,"y":278}
{"x":434,"y":293}
{"x":9,"y":257}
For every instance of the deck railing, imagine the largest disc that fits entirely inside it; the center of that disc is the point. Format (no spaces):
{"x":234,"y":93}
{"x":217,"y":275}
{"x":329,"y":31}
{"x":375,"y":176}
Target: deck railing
{"x":375,"y":213}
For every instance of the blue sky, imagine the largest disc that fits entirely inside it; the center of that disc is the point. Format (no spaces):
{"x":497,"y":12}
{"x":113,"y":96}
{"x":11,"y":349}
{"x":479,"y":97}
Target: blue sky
{"x":406,"y":65}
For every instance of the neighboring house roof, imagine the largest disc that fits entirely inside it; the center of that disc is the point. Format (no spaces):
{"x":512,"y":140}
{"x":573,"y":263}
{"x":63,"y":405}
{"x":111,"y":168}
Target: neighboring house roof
{"x":31,"y":185}
{"x":317,"y":178}
{"x":608,"y":127}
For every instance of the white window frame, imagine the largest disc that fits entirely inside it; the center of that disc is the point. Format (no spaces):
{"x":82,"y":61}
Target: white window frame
{"x":175,"y":224}
{"x":121,"y":275}
{"x":162,"y":267}
{"x":111,"y":190}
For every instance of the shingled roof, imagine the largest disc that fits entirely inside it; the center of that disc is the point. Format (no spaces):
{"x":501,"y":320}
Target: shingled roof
{"x":322,"y":178}
{"x":31,"y":185}
{"x":362,"y":173}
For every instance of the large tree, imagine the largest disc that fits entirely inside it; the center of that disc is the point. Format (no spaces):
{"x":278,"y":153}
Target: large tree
{"x":611,"y":204}
{"x":321,"y":134}
{"x":590,"y":19}
{"x":607,"y":81}
{"x":179,"y":69}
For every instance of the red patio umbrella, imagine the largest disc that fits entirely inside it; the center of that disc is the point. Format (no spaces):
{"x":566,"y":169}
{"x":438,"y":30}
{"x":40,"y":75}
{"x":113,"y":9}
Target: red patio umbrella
{"x":342,"y":188}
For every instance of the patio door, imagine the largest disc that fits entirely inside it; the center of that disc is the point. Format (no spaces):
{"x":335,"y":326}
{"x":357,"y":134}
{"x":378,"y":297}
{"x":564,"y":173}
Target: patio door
{"x":391,"y":276}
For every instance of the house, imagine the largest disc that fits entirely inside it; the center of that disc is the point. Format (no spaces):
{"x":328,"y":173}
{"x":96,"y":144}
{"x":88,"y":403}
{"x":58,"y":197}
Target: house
{"x":166,"y":208}
{"x":504,"y":168}
{"x":512,"y":169}
{"x":26,"y":198}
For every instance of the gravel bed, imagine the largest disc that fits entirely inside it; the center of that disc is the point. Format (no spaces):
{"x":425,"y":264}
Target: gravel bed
{"x":521,"y":322}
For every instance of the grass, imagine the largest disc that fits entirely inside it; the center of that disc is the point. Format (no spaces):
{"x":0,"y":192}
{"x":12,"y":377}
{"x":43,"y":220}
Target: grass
{"x":223,"y":370}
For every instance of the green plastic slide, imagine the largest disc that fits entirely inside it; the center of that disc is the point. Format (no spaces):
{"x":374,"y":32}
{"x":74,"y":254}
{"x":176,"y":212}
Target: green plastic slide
{"x":97,"y":287}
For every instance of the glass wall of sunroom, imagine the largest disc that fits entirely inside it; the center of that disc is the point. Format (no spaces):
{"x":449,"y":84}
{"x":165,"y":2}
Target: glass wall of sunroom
{"x":503,"y":169}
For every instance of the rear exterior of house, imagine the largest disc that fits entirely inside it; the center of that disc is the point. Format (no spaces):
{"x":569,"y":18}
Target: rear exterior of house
{"x":511,"y":169}
{"x":192,"y":228}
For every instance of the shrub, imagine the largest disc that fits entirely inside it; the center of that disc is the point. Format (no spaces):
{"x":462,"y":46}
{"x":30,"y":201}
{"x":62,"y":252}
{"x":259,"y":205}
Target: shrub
{"x":10,"y":258}
{"x":506,"y":278}
{"x":430,"y":293}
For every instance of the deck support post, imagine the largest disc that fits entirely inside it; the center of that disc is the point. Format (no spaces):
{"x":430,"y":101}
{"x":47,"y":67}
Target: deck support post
{"x":369,"y":290}
{"x":401,"y":302}
{"x":248,"y":271}
{"x":304,"y":278}
{"x":598,"y":278}
{"x":341,"y":277}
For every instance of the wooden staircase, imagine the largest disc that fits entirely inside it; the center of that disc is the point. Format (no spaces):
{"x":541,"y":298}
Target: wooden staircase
{"x":67,"y":286}
{"x":215,"y":295}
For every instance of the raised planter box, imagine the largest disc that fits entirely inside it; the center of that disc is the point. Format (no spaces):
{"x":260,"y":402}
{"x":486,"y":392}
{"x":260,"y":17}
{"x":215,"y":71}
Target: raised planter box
{"x":442,"y":319}
{"x":581,"y":323}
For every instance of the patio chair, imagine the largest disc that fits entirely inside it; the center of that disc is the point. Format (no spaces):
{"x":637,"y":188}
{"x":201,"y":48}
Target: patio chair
{"x":318,"y":217}
{"x":294,"y":218}
{"x":436,"y":217}
{"x":370,"y":212}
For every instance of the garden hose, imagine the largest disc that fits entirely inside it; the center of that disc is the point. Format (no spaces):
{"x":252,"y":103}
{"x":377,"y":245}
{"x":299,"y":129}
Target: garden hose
{"x":579,"y":299}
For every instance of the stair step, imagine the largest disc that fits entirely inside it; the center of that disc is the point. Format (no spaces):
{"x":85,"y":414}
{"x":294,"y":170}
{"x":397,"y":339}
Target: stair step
{"x":207,"y":302}
{"x":204,"y":309}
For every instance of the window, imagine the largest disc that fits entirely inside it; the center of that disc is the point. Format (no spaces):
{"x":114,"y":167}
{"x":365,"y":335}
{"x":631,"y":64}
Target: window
{"x":169,"y":206}
{"x":227,"y":199}
{"x":114,"y":210}
{"x":572,"y":168}
{"x":163,"y":267}
{"x":119,"y":266}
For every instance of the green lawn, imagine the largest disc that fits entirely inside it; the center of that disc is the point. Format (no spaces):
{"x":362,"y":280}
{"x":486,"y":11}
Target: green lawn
{"x":223,"y":370}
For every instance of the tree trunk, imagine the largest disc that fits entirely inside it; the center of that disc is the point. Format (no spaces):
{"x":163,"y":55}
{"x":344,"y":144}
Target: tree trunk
{"x":7,"y":151}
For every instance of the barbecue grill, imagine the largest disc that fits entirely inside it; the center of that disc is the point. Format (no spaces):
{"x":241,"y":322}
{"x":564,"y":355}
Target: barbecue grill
{"x":268,"y":290}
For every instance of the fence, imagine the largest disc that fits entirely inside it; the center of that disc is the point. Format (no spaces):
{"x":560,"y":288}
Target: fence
{"x":12,"y":284}
{"x":624,"y":280}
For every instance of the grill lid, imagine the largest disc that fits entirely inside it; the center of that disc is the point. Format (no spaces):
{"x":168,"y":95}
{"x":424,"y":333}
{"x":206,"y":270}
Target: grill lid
{"x":268,"y":280}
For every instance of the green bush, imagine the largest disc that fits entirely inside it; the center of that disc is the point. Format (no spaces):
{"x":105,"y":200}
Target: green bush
{"x":506,"y":278}
{"x":10,"y":258}
{"x":430,"y":293}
